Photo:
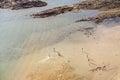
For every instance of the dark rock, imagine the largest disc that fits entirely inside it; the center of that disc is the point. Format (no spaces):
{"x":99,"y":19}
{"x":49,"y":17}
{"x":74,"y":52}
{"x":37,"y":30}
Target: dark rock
{"x":87,"y":4}
{"x":112,"y":13}
{"x":21,"y":4}
{"x":53,"y":12}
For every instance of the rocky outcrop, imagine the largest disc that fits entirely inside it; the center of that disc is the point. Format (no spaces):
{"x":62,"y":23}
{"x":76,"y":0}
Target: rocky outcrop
{"x":21,"y":4}
{"x":113,"y":13}
{"x":87,"y":4}
{"x":53,"y":12}
{"x":58,"y":10}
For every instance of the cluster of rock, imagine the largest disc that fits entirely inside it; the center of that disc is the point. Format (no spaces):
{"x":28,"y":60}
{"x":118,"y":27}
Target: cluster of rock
{"x":60,"y":10}
{"x":102,"y":16}
{"x":21,"y":4}
{"x":109,"y":7}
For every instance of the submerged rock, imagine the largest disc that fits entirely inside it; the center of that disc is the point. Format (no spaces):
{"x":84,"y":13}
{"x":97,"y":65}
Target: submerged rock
{"x":21,"y":4}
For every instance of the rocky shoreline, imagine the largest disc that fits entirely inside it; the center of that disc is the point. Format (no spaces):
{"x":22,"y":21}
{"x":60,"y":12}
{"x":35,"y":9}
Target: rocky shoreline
{"x":115,"y":13}
{"x":109,"y":7}
{"x":21,"y":4}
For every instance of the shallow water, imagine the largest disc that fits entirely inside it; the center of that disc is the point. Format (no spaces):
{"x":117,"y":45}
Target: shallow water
{"x":20,"y":34}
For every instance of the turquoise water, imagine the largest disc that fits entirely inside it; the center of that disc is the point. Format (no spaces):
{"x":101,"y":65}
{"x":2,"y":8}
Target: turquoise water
{"x":20,"y":34}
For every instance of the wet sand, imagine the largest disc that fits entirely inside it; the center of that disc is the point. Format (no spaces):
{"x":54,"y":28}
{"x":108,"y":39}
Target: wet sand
{"x":18,"y":38}
{"x":57,"y":48}
{"x":82,"y":57}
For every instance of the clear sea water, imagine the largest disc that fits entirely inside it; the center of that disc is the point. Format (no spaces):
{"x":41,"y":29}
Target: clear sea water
{"x":20,"y":32}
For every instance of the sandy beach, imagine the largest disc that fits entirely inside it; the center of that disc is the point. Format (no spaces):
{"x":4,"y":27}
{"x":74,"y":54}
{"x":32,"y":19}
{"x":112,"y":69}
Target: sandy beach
{"x":87,"y":57}
{"x":61,"y":40}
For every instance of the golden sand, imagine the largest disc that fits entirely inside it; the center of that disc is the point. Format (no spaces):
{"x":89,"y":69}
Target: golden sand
{"x":96,"y":57}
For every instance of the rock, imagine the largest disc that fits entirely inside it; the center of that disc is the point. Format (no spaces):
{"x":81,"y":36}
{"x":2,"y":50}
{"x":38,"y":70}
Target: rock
{"x":87,"y":4}
{"x":112,"y":13}
{"x":53,"y":12}
{"x":21,"y":4}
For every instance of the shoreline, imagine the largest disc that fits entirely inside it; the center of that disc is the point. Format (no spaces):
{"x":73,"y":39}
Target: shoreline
{"x":111,"y":8}
{"x":88,"y":56}
{"x":71,"y":51}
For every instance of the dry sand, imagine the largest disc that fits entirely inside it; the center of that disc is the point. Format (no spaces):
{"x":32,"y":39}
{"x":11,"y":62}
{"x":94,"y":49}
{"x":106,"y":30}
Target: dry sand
{"x":82,"y":58}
